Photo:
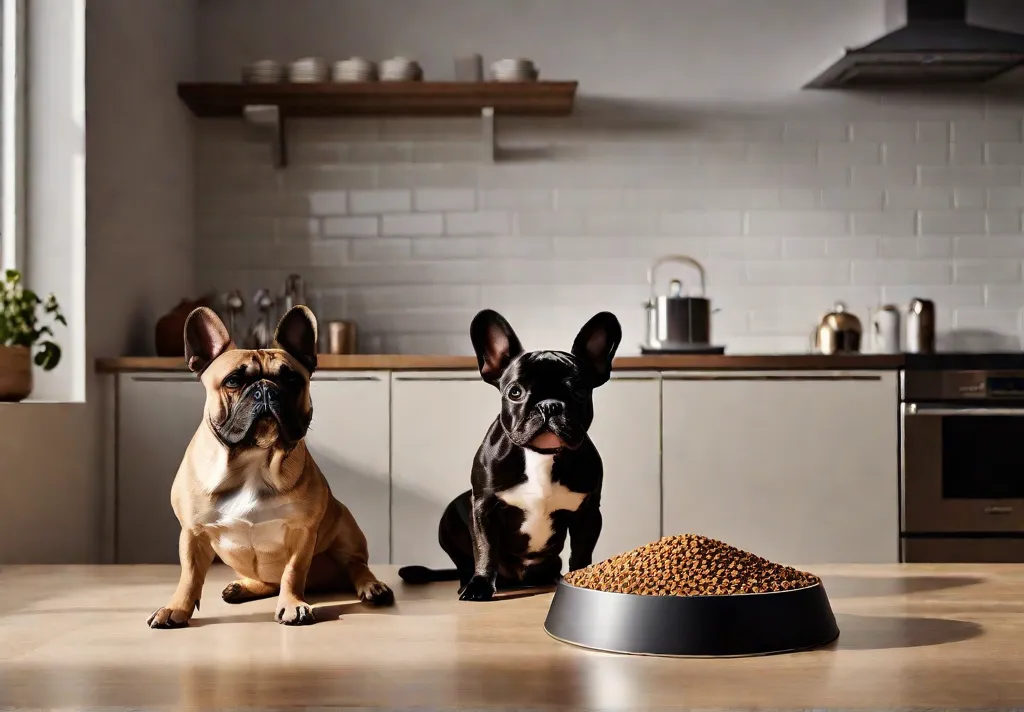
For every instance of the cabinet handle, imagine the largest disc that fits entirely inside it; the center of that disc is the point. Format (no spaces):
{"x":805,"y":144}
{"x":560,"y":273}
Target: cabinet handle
{"x":457,"y":379}
{"x":165,"y":379}
{"x":774,"y":377}
{"x":346,"y":378}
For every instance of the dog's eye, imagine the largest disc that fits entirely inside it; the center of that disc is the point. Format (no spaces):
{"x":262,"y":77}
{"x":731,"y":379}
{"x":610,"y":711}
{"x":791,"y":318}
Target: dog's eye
{"x":515,"y":393}
{"x":292,"y":379}
{"x":232,"y":382}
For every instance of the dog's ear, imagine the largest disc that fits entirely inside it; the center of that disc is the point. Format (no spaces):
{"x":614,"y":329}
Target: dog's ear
{"x":297,"y":334}
{"x":596,"y":343}
{"x":206,"y":338}
{"x":495,"y":344}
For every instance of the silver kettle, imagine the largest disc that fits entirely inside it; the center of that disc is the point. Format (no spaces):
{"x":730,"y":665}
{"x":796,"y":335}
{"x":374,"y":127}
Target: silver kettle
{"x":675,"y":321}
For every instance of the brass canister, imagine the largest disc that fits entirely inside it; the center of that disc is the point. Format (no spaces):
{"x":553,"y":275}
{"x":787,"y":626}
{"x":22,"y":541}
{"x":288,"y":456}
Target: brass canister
{"x":341,"y":337}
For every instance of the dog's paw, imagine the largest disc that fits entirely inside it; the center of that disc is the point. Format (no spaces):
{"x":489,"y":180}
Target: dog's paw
{"x":234,"y":593}
{"x":377,"y":593}
{"x":478,"y":589}
{"x":295,"y":613}
{"x":167,"y":618}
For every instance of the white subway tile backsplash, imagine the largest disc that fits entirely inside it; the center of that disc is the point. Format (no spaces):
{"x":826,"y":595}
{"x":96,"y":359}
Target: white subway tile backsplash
{"x":987,"y":272}
{"x":792,"y":223}
{"x":507,"y":199}
{"x":369,"y":202}
{"x":967,"y":198}
{"x":913,"y":198}
{"x":849,"y":154}
{"x":400,"y":225}
{"x":378,"y":249}
{"x":351,"y":227}
{"x":441,"y":199}
{"x":1003,"y":222}
{"x":1002,"y":198}
{"x":479,"y":223}
{"x":703,"y":223}
{"x":883,"y":176}
{"x":916,"y":154}
{"x":882,"y":223}
{"x":884,"y":272}
{"x":328,"y":202}
{"x":412,"y":225}
{"x":951,"y":222}
{"x":970,"y":176}
{"x":986,"y":130}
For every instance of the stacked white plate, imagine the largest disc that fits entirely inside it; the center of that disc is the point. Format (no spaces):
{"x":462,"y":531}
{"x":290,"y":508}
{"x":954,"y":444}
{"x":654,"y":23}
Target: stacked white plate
{"x":400,"y":69}
{"x":265,"y":71}
{"x":354,"y":69}
{"x":308,"y":70}
{"x":514,"y":70}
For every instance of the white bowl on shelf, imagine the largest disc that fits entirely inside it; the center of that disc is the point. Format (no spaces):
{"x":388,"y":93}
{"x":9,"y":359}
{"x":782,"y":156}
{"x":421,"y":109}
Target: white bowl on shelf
{"x":514,"y":70}
{"x":354,"y":69}
{"x":400,"y":69}
{"x":308,"y":70}
{"x":264,"y":71}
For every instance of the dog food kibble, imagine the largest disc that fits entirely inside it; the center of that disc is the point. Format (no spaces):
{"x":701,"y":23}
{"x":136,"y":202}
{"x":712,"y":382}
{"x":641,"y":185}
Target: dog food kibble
{"x":689,"y":565}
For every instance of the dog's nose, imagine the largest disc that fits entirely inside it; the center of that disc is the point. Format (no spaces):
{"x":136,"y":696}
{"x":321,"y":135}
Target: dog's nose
{"x":265,"y":393}
{"x":550,"y":407}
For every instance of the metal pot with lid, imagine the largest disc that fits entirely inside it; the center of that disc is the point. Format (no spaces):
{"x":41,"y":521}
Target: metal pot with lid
{"x":839,"y":332}
{"x":676,"y":321}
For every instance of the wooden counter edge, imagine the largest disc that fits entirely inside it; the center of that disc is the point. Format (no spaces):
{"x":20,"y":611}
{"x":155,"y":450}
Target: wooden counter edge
{"x":373,"y":362}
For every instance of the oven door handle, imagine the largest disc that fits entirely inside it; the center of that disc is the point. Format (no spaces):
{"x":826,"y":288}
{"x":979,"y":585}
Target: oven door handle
{"x":939,"y":411}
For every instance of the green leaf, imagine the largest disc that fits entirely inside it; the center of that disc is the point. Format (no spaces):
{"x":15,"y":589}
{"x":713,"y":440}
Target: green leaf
{"x":49,"y":356}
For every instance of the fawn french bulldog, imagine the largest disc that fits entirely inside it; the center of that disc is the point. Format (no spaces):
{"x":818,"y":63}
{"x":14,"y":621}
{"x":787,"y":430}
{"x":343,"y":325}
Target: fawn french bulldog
{"x":248,"y":490}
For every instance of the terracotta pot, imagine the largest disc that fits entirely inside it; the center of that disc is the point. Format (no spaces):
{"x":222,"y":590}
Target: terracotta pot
{"x":170,"y":329}
{"x":15,"y":373}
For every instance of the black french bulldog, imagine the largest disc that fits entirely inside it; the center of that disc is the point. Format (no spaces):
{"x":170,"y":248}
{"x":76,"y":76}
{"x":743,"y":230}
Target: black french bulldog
{"x":536,"y":476}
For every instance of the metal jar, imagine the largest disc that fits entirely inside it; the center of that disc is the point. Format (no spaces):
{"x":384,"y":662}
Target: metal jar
{"x":675,"y":321}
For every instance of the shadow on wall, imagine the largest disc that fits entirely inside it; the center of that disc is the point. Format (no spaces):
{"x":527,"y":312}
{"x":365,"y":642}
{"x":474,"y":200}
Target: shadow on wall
{"x":977,"y":341}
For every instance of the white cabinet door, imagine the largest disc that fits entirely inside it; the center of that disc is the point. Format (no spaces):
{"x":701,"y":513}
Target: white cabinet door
{"x":627,"y":434}
{"x":801,"y":468}
{"x":157,"y":415}
{"x":438,"y":421}
{"x":349,"y":438}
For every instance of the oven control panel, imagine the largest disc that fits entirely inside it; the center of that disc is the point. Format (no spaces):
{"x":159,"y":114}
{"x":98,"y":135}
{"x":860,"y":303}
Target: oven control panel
{"x":1004,"y":386}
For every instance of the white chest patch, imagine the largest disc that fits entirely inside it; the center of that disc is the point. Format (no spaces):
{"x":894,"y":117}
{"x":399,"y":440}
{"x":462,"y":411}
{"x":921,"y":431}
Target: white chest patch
{"x":539,"y":498}
{"x":245,"y":520}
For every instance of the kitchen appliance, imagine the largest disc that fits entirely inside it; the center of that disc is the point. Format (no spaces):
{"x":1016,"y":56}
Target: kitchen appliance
{"x":937,"y":47}
{"x":885,"y":330}
{"x":294,"y":293}
{"x":341,"y":337}
{"x":261,"y":334}
{"x":921,"y":327}
{"x":962,"y":463}
{"x":678,"y":323}
{"x":839,"y":332}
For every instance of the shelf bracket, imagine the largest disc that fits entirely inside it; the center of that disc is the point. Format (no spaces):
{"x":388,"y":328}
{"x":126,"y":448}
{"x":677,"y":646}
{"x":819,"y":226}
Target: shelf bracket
{"x":488,"y":136}
{"x":269,"y":117}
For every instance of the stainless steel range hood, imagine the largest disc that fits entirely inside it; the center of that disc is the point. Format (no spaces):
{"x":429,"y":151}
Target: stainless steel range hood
{"x":937,"y":47}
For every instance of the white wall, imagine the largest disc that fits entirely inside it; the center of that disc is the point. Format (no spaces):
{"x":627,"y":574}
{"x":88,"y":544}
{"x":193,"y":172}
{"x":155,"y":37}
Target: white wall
{"x":138,"y":231}
{"x":692,"y":136}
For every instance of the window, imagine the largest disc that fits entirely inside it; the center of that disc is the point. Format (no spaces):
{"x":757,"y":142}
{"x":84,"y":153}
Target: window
{"x":12,"y":108}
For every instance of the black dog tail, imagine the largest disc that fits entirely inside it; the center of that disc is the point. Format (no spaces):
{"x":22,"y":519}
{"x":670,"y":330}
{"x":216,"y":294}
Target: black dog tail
{"x":419,"y":575}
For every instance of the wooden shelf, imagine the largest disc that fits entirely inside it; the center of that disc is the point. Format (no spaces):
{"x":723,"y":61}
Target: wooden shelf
{"x":272,"y":105}
{"x":383,"y":98}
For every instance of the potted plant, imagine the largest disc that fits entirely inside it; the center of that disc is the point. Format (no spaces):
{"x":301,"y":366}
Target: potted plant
{"x":22,"y":312}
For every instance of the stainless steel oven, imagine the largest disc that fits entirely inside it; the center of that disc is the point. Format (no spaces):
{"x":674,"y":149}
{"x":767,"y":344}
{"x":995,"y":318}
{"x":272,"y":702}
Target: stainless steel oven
{"x":962,"y":434}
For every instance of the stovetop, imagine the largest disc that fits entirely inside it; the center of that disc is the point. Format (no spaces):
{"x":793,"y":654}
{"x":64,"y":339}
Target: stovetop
{"x":999,"y":361}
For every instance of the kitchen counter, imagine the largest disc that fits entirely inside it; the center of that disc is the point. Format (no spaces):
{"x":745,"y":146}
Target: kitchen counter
{"x":939,"y":636}
{"x":372,"y":362}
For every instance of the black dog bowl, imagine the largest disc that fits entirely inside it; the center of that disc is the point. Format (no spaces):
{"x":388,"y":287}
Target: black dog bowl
{"x":695,"y":626}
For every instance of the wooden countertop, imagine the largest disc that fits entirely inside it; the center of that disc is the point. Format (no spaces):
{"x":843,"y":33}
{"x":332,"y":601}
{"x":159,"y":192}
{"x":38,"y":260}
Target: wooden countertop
{"x":371,"y":362}
{"x":943,"y":637}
